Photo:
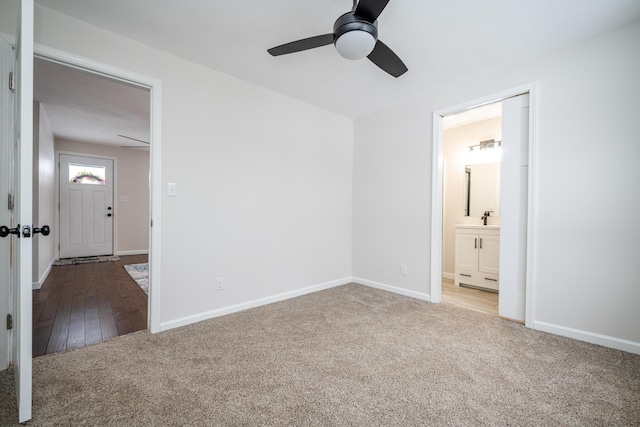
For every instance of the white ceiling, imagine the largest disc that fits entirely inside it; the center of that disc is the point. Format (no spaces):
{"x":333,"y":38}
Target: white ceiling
{"x":473,"y":115}
{"x":441,"y":42}
{"x":90,"y":108}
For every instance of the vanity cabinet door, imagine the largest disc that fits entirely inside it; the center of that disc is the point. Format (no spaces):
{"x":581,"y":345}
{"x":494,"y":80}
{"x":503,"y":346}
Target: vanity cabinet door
{"x":489,"y":254}
{"x":467,"y":251}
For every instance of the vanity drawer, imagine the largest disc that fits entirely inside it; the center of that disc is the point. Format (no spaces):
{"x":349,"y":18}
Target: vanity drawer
{"x":467,"y":277}
{"x":489,"y":281}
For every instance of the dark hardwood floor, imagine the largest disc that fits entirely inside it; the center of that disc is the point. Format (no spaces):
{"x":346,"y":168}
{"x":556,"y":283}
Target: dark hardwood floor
{"x":85,"y":304}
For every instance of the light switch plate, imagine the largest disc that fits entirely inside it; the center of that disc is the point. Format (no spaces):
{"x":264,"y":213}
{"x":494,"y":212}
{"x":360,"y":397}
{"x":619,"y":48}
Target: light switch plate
{"x":122,"y":199}
{"x":172,"y":190}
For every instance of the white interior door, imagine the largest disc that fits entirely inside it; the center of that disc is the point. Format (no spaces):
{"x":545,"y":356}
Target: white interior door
{"x":86,"y":206}
{"x":6,"y":216}
{"x":513,"y":207}
{"x":23,"y":175}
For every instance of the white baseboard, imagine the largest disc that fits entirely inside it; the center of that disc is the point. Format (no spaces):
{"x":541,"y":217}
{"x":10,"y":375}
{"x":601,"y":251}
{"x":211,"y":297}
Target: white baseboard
{"x":449,"y":276}
{"x":591,"y":337}
{"x":136,"y":252}
{"x":165,"y":326}
{"x":394,"y":289}
{"x":37,"y":285}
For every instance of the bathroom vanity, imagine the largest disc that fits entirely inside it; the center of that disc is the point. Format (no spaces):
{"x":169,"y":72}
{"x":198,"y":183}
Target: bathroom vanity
{"x":478,"y":256}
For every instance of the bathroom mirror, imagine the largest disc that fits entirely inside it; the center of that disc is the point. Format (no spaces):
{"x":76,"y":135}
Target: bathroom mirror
{"x":482,"y":189}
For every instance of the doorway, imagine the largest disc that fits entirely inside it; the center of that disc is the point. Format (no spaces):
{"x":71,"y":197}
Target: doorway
{"x":153,"y":147}
{"x":524,"y":263}
{"x":472,"y":152}
{"x":82,"y":118}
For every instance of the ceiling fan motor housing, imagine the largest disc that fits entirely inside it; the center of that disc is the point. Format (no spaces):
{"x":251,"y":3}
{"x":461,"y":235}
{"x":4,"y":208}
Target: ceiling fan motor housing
{"x":351,"y":22}
{"x":358,"y":36}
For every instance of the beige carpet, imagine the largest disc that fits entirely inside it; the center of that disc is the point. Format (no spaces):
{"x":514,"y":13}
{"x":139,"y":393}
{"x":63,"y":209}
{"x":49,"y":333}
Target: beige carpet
{"x":345,"y":356}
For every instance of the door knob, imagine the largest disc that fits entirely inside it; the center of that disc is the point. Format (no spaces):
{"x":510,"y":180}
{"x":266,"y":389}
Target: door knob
{"x":45,"y":230}
{"x":5,"y":231}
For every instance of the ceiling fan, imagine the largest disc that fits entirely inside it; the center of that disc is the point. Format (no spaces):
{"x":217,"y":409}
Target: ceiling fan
{"x":355,"y":35}
{"x":135,"y":146}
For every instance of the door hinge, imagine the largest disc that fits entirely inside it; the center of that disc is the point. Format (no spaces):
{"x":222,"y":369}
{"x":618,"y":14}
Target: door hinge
{"x":10,"y":201}
{"x":151,"y":223}
{"x":11,"y":81}
{"x":9,"y":321}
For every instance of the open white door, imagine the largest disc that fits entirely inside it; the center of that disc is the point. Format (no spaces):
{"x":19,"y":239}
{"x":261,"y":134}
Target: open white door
{"x":23,"y":172}
{"x":6,"y":156}
{"x":514,"y":207}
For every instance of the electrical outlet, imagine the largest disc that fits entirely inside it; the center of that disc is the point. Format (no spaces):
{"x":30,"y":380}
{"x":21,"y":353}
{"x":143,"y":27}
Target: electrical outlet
{"x":403,"y":270}
{"x":220,"y":284}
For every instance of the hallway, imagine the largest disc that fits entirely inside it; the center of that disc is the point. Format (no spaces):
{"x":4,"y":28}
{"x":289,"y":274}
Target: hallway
{"x":83,"y":304}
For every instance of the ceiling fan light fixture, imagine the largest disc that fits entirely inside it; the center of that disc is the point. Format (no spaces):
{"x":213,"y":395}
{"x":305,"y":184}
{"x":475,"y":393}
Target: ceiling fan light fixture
{"x":355,"y":44}
{"x":354,"y":37}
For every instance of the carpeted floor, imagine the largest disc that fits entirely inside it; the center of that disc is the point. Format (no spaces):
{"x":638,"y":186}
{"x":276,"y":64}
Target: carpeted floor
{"x":350,"y":355}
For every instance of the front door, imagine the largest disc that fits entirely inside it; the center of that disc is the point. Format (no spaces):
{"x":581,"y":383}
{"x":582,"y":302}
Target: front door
{"x":86,"y":206}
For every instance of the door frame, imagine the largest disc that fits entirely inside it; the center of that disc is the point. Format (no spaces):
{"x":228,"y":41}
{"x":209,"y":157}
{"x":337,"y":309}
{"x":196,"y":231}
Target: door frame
{"x":437,"y":190}
{"x":155,"y":158}
{"x":114,"y":238}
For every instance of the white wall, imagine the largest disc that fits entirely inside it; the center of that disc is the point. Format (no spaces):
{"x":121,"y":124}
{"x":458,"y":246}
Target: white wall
{"x":587,"y":209}
{"x":455,"y":151}
{"x":264,"y":181}
{"x":132,"y":217}
{"x":43,"y":194}
{"x":265,"y":191}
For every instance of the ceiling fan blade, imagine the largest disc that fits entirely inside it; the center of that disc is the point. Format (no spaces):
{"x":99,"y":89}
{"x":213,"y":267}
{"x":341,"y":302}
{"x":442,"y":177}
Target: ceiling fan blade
{"x":300,"y":45}
{"x":384,"y":58}
{"x":134,"y":139}
{"x":370,"y":9}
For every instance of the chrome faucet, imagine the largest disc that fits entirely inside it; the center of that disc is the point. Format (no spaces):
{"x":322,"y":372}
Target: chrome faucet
{"x":485,"y":216}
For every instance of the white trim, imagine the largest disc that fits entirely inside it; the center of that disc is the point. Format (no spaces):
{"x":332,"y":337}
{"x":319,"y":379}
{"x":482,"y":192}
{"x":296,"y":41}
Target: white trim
{"x":134,"y":252}
{"x":252,"y":304}
{"x":155,"y":206}
{"x":590,"y":337}
{"x":437,"y":196}
{"x":450,"y":276}
{"x":390,"y":288}
{"x":437,"y":182}
{"x":531,"y":205}
{"x":37,"y":285}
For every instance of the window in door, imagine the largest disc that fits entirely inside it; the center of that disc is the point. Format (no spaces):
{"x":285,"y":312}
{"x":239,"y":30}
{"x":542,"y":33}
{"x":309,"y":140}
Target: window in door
{"x":87,"y":174}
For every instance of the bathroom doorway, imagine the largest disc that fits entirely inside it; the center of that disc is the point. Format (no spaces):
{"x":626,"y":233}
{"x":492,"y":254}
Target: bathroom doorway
{"x":515,"y":205}
{"x":472,"y":154}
